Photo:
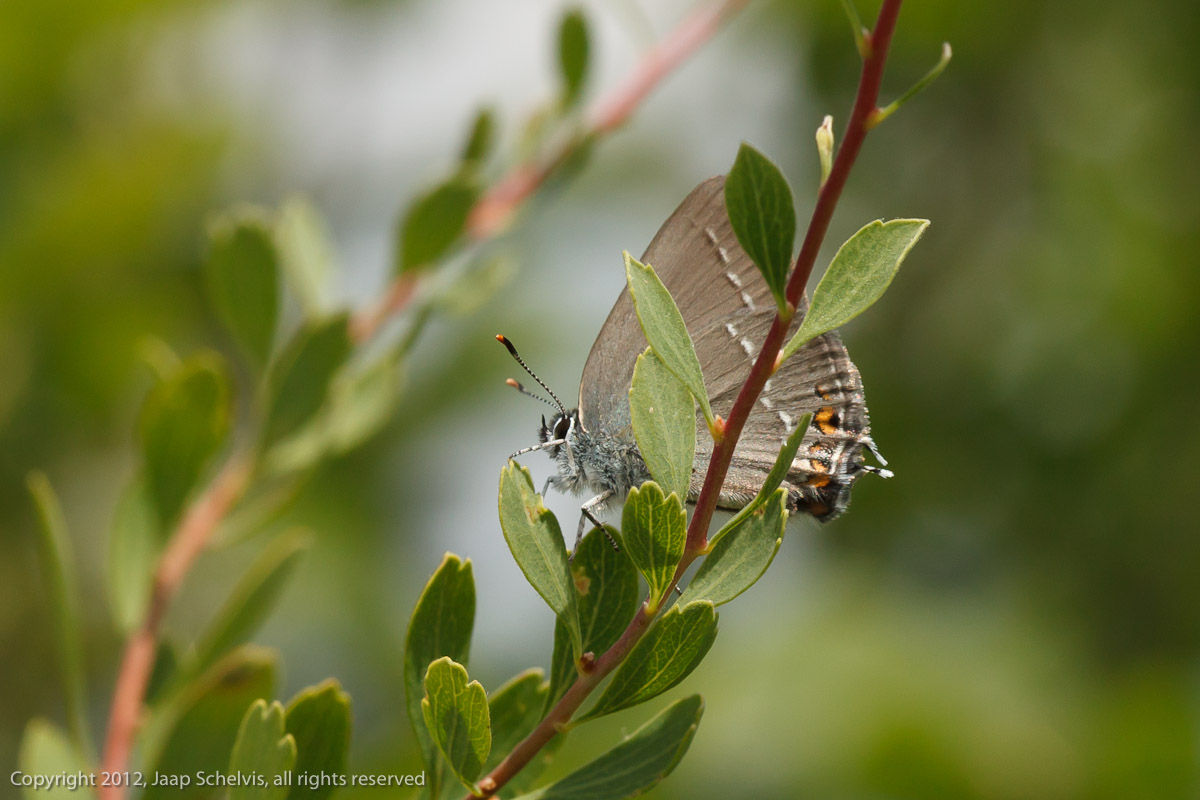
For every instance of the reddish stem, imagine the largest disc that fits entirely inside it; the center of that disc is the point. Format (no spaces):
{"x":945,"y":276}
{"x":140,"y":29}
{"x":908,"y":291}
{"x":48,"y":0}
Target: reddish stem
{"x":865,"y":103}
{"x":137,"y":662}
{"x":493,"y":212}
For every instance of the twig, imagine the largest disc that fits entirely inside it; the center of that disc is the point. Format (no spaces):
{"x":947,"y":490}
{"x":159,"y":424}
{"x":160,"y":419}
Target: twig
{"x":495,"y":209}
{"x":865,"y":103}
{"x":877,"y":44}
{"x":137,"y":662}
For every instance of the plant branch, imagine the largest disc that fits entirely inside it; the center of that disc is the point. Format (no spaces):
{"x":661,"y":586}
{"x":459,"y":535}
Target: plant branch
{"x":865,"y":102}
{"x":487,"y":220}
{"x":188,"y":541}
{"x":877,"y":45}
{"x":493,"y":212}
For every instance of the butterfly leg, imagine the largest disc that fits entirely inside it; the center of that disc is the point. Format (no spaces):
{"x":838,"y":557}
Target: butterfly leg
{"x":586,"y":514}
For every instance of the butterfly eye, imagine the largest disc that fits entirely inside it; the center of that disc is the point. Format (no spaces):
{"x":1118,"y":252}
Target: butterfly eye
{"x":561,"y":426}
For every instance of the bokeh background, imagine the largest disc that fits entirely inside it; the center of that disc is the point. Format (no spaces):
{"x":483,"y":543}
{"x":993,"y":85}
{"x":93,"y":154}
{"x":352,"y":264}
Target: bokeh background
{"x":1016,"y":614}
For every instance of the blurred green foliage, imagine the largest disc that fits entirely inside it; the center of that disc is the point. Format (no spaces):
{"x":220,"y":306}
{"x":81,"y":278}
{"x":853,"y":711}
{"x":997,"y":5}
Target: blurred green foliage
{"x":1016,"y":614}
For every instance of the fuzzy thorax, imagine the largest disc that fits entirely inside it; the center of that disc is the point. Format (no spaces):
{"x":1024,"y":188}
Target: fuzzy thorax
{"x":597,"y":463}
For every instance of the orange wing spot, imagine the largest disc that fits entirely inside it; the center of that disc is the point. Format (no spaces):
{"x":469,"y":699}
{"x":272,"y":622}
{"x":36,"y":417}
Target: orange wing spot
{"x":817,"y":465}
{"x":826,"y":419}
{"x":819,"y":481}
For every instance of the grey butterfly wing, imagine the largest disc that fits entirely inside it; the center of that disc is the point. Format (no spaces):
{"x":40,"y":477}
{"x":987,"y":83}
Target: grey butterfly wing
{"x":728,"y":310}
{"x":686,"y":254}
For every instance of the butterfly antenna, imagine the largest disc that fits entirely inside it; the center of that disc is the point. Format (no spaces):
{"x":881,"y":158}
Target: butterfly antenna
{"x":528,"y":393}
{"x":513,"y":352}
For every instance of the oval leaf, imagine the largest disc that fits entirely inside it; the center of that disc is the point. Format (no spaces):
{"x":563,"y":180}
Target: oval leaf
{"x":638,"y":763}
{"x":306,"y":253}
{"x":434,"y":222}
{"x":300,"y":378}
{"x":606,"y":584}
{"x":536,"y":542}
{"x":664,"y":423}
{"x":251,"y":600}
{"x":759,"y":202}
{"x":741,"y":555}
{"x":360,"y":402}
{"x":184,"y":422}
{"x":133,"y":548}
{"x":243,"y":283}
{"x":58,"y":565}
{"x":654,"y":529}
{"x":667,"y":654}
{"x":480,"y":139}
{"x":664,"y":329}
{"x":45,"y":751}
{"x":318,"y":718}
{"x":262,"y":749}
{"x":572,"y":55}
{"x":441,"y":625}
{"x":456,"y":715}
{"x":859,"y":274}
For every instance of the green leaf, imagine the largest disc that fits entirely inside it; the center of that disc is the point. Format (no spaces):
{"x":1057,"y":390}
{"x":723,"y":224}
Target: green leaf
{"x":165,"y":671}
{"x":861,"y":271}
{"x":434,"y":223}
{"x":515,"y":710}
{"x":203,"y":723}
{"x":58,"y":565}
{"x":654,"y":529}
{"x":779,"y":471}
{"x":759,"y":202}
{"x":134,"y":545}
{"x":440,"y":626}
{"x":307,"y":255}
{"x":741,"y":555}
{"x":360,"y":403}
{"x":300,"y":378}
{"x":262,"y":749}
{"x":573,"y":55}
{"x":638,"y":763}
{"x":480,"y":140}
{"x":243,"y":283}
{"x":184,"y":423}
{"x":478,"y":283}
{"x":456,"y":715}
{"x":667,"y":654}
{"x":664,"y":423}
{"x":252,"y":599}
{"x":536,"y":542}
{"x":318,"y":718}
{"x":665,"y":331}
{"x":606,"y":584}
{"x":46,"y":752}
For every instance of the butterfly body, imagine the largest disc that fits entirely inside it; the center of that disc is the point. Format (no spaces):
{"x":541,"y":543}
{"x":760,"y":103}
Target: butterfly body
{"x":727,"y":309}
